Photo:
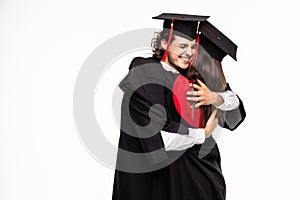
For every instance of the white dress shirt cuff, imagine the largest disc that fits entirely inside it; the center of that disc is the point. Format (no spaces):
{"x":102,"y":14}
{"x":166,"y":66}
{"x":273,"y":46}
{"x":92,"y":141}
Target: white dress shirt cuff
{"x":178,"y":142}
{"x":198,"y":134}
{"x":231,"y":101}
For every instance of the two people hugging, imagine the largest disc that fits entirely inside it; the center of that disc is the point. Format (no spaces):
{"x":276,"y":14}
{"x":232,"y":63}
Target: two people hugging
{"x":185,"y":78}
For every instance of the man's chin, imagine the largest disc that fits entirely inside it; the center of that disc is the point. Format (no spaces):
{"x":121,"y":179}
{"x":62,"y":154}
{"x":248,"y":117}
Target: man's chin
{"x":184,"y":66}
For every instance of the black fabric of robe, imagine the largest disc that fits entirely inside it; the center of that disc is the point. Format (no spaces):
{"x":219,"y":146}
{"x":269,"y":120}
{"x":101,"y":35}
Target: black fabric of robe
{"x":192,"y":176}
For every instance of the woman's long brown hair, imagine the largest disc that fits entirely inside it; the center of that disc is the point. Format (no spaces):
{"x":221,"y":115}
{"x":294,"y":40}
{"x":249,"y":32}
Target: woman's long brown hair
{"x":210,"y":72}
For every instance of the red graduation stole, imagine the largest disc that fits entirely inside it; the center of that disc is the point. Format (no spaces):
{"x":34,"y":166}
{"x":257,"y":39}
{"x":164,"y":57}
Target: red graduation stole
{"x":180,"y":87}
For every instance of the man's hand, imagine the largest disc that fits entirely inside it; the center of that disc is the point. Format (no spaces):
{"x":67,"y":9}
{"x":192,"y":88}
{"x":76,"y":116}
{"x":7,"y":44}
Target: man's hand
{"x":203,"y":96}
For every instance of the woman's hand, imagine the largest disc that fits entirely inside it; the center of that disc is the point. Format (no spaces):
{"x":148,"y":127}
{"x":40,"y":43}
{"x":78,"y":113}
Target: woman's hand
{"x":203,"y":96}
{"x":211,"y":124}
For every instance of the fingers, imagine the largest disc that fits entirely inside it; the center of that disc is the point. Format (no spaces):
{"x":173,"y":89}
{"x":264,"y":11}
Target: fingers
{"x":195,"y":86}
{"x":195,"y":93}
{"x":201,"y":95}
{"x":201,"y":83}
{"x":200,"y":101}
{"x":195,"y":99}
{"x":213,"y":114}
{"x":211,"y":124}
{"x":213,"y":119}
{"x":192,"y":98}
{"x":199,"y":104}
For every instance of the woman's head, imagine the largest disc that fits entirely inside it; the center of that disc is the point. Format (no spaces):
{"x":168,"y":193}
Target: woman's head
{"x":210,"y":70}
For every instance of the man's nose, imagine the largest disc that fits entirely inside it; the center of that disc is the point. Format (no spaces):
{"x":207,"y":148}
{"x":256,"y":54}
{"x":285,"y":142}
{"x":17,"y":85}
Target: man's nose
{"x":189,"y":51}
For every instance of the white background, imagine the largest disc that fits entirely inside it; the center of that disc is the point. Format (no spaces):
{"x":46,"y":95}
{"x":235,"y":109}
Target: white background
{"x":43,"y":45}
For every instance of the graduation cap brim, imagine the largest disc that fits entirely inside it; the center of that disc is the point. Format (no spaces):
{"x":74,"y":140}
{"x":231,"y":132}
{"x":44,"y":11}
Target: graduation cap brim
{"x":215,"y":42}
{"x":183,"y":17}
{"x":184,"y":25}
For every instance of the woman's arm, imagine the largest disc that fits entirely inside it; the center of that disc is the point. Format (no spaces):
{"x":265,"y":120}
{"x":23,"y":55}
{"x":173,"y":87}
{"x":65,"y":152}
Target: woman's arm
{"x":177,"y":142}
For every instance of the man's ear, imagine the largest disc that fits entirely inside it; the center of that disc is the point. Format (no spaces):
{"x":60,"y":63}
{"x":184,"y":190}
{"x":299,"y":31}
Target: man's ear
{"x":163,"y":44}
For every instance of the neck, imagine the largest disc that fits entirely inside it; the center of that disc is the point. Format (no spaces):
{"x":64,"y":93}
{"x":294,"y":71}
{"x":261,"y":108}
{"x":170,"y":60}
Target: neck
{"x":180,"y":70}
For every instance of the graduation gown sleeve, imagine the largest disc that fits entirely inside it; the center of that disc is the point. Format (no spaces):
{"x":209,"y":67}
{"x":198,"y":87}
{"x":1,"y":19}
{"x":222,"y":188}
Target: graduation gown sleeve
{"x":233,"y":118}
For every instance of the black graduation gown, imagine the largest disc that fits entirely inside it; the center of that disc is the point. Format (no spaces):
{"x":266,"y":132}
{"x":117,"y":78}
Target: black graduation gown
{"x":156,"y":175}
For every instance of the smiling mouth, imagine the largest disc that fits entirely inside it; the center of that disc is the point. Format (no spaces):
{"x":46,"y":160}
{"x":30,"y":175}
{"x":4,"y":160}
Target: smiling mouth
{"x":185,"y":59}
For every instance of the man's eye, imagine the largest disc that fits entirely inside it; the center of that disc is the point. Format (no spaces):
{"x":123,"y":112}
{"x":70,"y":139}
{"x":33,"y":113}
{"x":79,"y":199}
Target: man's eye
{"x":194,"y":46}
{"x":182,"y":46}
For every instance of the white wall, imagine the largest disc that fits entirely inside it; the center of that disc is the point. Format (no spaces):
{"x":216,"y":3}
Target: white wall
{"x":43,"y":45}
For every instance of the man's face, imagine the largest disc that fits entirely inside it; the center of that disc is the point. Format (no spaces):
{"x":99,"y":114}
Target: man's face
{"x":180,"y":52}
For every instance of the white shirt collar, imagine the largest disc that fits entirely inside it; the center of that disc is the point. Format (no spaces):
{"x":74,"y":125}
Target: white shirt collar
{"x":168,"y":68}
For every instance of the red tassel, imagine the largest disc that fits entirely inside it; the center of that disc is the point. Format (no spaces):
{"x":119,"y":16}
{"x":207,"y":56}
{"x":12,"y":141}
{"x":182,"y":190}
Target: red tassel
{"x":196,"y":50}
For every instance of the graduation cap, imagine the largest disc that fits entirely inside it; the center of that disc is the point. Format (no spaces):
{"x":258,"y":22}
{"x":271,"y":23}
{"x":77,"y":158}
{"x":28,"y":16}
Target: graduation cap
{"x":183,"y":25}
{"x":215,"y":42}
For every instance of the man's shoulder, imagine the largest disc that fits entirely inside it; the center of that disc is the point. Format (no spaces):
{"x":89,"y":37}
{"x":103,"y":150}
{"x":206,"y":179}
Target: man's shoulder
{"x":143,"y":71}
{"x":141,"y":61}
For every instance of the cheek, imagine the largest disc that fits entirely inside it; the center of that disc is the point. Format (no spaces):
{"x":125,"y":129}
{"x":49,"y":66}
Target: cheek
{"x":173,"y":56}
{"x":178,"y":52}
{"x":193,"y":51}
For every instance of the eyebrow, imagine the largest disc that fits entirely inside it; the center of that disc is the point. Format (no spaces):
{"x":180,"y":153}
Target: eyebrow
{"x":183,"y":44}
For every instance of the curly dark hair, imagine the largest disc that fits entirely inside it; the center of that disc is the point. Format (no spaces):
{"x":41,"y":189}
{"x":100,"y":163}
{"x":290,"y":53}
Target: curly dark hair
{"x":158,"y":51}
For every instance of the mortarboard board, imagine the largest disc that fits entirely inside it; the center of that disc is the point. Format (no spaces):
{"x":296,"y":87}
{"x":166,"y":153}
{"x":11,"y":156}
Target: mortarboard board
{"x":183,"y":25}
{"x":215,"y":42}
